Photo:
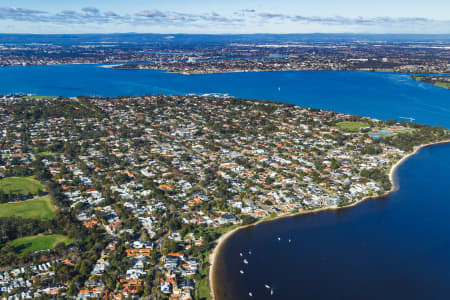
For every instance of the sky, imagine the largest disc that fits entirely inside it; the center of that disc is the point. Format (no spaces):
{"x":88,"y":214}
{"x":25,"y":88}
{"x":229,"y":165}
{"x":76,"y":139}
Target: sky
{"x":225,"y":16}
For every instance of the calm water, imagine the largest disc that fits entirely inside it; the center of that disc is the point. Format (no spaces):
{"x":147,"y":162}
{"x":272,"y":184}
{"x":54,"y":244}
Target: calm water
{"x":392,"y":248}
{"x":379,"y":95}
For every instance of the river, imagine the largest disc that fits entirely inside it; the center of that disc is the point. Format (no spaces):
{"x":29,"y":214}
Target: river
{"x":396,"y":247}
{"x":378,"y":95}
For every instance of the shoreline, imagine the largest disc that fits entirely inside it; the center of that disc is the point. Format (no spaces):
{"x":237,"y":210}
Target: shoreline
{"x":434,"y":83}
{"x":105,"y":66}
{"x":394,"y":186}
{"x":185,"y":73}
{"x":188,"y":73}
{"x":117,"y":64}
{"x":114,"y":65}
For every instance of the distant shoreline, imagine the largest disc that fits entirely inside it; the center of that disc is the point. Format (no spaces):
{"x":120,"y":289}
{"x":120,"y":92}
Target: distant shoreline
{"x":222,"y":239}
{"x":136,"y":66}
{"x":109,"y":66}
{"x":438,"y":80}
{"x":113,"y":66}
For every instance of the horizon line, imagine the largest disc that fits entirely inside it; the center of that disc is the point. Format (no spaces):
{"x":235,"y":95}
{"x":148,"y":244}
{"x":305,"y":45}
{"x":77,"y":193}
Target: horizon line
{"x":254,"y":33}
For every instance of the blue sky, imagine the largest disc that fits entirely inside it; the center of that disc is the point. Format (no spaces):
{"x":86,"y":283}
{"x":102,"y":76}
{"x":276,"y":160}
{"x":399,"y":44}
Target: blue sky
{"x":225,"y":16}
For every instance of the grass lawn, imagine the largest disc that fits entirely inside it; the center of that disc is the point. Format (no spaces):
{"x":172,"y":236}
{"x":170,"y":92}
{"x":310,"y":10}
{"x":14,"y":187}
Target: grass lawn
{"x":438,"y":83}
{"x":443,"y":84}
{"x":203,"y":289}
{"x":203,"y":284}
{"x":48,"y":153}
{"x":39,"y":97}
{"x":39,"y":208}
{"x":20,"y":185}
{"x":38,"y":242}
{"x":224,"y":229}
{"x":352,"y":126}
{"x":385,"y":70}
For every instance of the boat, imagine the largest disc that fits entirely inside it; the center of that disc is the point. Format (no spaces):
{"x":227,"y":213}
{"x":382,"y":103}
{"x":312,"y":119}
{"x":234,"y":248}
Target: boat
{"x":240,"y":254}
{"x":245,"y":261}
{"x":271,"y":291}
{"x":289,"y":240}
{"x":250,"y":252}
{"x":267,"y":286}
{"x":250,"y":294}
{"x":279,"y":238}
{"x":241,"y":271}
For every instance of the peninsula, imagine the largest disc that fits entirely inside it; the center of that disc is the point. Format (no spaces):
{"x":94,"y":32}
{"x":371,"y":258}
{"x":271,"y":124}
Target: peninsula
{"x":441,"y":81}
{"x":288,"y":62}
{"x":131,"y":195}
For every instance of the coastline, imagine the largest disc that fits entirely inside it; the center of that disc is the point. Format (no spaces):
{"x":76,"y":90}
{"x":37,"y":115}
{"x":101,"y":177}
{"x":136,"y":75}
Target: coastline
{"x":434,"y":83}
{"x":109,"y":66}
{"x":114,"y":65}
{"x":187,"y":73}
{"x":222,"y":239}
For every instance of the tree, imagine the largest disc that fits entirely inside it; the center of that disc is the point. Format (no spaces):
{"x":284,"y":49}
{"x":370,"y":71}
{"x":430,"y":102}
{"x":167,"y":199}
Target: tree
{"x":246,"y":220}
{"x":60,"y":248}
{"x":169,"y":246}
{"x":3,"y":197}
{"x":334,"y":164}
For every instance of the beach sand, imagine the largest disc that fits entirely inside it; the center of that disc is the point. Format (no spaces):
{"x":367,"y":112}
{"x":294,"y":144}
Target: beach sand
{"x":110,"y":66}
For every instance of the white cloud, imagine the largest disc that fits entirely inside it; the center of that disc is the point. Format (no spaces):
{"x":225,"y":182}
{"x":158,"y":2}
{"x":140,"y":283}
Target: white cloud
{"x":239,"y":21}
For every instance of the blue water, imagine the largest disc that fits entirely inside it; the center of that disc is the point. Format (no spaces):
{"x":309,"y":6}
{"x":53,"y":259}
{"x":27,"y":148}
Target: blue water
{"x":379,"y":95}
{"x":392,"y":248}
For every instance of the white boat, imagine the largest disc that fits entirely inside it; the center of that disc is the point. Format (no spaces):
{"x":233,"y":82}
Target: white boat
{"x":267,"y":286}
{"x":250,"y":294}
{"x":245,"y":261}
{"x":241,"y":271}
{"x":279,"y":238}
{"x":250,"y":252}
{"x":271,"y":291}
{"x":289,"y":240}
{"x":240,"y":254}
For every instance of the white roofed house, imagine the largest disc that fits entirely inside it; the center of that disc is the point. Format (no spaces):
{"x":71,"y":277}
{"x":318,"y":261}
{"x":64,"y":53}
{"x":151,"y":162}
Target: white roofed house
{"x":166,"y":287}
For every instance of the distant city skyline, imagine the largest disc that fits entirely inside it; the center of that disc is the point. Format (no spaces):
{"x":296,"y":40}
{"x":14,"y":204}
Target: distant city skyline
{"x":232,"y":16}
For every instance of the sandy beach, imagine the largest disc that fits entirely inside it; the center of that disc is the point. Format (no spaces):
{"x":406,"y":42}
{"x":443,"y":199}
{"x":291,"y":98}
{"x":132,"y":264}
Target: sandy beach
{"x":221,"y":241}
{"x":110,"y":66}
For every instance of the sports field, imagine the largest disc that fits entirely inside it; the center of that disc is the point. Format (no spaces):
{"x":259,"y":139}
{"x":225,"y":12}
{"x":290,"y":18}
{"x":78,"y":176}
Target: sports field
{"x":20,"y":185}
{"x":38,"y":242}
{"x":352,"y":126}
{"x":38,"y":208}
